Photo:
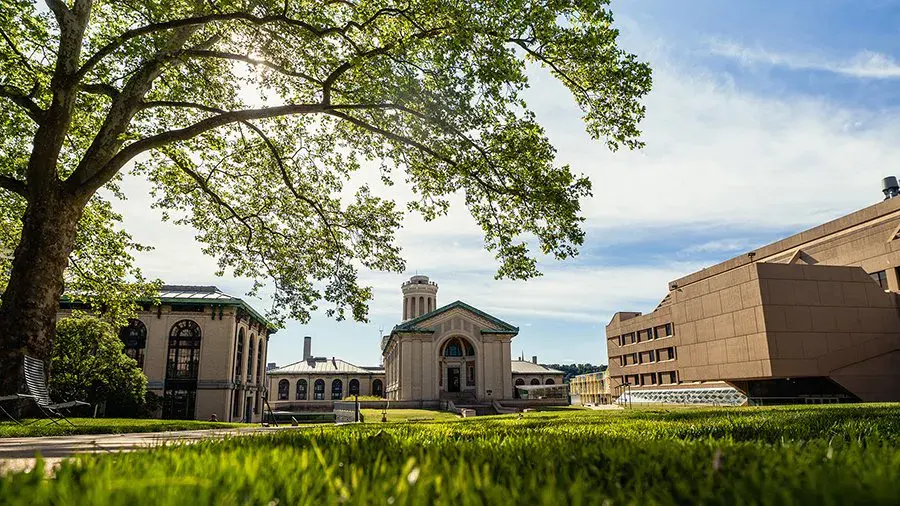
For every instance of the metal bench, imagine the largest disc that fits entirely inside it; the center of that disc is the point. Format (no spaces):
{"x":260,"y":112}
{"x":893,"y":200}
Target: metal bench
{"x":36,"y":384}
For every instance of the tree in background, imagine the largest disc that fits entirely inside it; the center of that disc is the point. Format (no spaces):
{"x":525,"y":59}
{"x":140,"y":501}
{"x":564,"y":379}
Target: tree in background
{"x":89,"y":364}
{"x":249,"y":118}
{"x":575,"y":369}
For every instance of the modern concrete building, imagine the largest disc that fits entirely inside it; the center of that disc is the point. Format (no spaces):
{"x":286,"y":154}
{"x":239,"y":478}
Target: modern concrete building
{"x":315,"y":382}
{"x":455,"y":352}
{"x":812,"y":318}
{"x":590,"y":389}
{"x":203,"y":351}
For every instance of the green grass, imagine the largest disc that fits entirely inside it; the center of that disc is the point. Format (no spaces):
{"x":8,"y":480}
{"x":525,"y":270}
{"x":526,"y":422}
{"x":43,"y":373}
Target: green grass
{"x":820,"y":455}
{"x":406,"y":415}
{"x":107,"y":426}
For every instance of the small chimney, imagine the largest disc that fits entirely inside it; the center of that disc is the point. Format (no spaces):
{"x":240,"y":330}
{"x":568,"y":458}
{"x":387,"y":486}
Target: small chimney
{"x":890,"y":187}
{"x":534,"y":359}
{"x":307,"y":347}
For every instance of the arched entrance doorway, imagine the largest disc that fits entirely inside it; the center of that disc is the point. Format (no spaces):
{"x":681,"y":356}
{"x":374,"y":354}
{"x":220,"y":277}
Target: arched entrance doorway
{"x":457,"y":368}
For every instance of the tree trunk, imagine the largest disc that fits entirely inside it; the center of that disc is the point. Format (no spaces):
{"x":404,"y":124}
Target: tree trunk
{"x":31,"y":300}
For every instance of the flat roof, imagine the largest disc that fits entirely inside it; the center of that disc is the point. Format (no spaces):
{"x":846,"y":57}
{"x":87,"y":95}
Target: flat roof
{"x":855,"y":219}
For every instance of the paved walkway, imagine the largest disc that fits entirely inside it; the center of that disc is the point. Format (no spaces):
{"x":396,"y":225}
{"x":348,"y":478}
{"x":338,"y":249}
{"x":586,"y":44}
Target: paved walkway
{"x":17,"y":454}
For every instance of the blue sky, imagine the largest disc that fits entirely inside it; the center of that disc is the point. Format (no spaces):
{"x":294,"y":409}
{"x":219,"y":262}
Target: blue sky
{"x":766,"y":118}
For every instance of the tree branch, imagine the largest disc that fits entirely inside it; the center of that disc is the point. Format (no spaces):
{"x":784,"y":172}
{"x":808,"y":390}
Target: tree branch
{"x":524,"y":44}
{"x":128,"y":35}
{"x":248,"y":59}
{"x":13,"y":185}
{"x":101,"y":176}
{"x":100,"y":89}
{"x":22,"y":99}
{"x":16,"y":51}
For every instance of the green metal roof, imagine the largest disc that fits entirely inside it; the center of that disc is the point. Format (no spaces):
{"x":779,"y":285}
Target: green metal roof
{"x":193,"y":294}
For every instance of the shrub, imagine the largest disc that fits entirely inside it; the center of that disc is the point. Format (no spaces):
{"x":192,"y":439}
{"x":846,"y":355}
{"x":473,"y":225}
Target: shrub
{"x":89,"y":364}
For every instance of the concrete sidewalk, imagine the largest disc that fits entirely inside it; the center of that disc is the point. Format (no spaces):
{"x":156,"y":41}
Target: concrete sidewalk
{"x":18,"y":454}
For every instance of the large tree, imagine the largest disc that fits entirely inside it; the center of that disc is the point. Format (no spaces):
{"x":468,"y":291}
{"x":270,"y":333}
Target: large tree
{"x":249,"y":117}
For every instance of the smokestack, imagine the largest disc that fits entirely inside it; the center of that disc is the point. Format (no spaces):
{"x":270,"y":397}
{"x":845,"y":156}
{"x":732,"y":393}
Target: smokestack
{"x":889,"y":187}
{"x":307,"y":347}
{"x":534,"y":359}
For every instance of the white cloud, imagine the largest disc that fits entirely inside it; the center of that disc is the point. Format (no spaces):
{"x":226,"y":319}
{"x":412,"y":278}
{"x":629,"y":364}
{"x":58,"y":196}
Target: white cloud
{"x":864,"y":65}
{"x":719,"y":246}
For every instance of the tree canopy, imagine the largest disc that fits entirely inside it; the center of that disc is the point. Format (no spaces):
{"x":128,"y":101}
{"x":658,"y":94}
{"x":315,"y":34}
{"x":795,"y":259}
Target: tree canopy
{"x":258,"y":123}
{"x":89,"y":364}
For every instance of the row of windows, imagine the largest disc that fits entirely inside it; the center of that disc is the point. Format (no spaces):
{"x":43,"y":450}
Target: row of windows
{"x":239,"y":357}
{"x":651,"y":378}
{"x":647,"y":357}
{"x":658,"y":332}
{"x":337,"y":389}
{"x":534,"y":381}
{"x":184,"y":349}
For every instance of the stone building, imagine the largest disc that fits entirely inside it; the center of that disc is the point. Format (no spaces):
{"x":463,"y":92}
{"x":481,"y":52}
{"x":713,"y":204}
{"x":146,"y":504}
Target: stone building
{"x":812,"y":318}
{"x":455,"y":352}
{"x":317,"y":381}
{"x":590,"y":389}
{"x":203,"y":351}
{"x":532,"y":373}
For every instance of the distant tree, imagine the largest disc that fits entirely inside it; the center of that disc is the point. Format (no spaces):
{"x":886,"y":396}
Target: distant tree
{"x":89,"y":364}
{"x":576,"y":369}
{"x":248,"y":118}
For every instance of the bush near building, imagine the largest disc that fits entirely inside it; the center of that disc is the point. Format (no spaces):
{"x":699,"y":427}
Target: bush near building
{"x":89,"y":364}
{"x":817,"y":455}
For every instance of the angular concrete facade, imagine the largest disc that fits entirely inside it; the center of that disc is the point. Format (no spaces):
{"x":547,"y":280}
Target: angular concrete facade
{"x":812,"y":318}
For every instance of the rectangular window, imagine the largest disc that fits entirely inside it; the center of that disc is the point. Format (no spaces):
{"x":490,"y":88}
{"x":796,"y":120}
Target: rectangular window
{"x":663,"y":331}
{"x":881,"y":278}
{"x":666,"y":353}
{"x":470,"y":374}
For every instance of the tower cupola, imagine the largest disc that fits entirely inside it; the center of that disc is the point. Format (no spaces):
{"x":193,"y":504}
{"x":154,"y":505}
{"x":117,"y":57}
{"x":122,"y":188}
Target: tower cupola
{"x":419,"y":297}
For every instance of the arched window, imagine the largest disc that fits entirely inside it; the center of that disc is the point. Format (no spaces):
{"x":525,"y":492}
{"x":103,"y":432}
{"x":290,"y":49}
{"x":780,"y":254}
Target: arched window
{"x":301,"y":390}
{"x":337,"y":390}
{"x":535,"y":381}
{"x":182,"y":367}
{"x":549,"y":381}
{"x":519,"y":382}
{"x":354,"y":387}
{"x":378,"y":388}
{"x":421,"y":305}
{"x":184,"y":351}
{"x":238,"y":355}
{"x":134,"y":336}
{"x":284,"y":387}
{"x":453,"y":348}
{"x":456,"y":347}
{"x":430,"y":304}
{"x":259,"y":361}
{"x":319,"y":390}
{"x":250,"y":357}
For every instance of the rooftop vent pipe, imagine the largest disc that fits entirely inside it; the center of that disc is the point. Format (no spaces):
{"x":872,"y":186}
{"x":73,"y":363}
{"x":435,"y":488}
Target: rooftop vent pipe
{"x":890,"y":187}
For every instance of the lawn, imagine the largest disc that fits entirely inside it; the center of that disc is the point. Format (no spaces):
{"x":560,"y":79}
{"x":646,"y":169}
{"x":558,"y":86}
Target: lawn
{"x":823,"y":455}
{"x":106,"y":426}
{"x":406,"y":415}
